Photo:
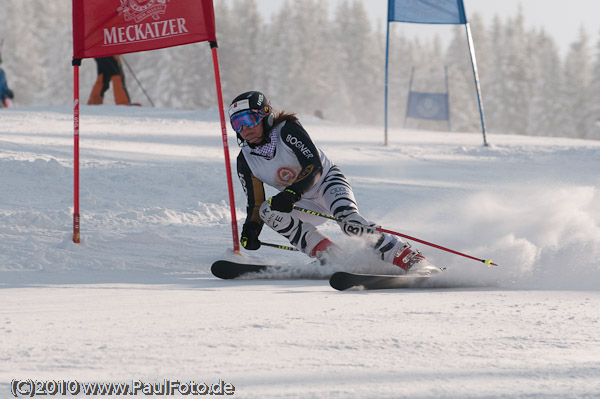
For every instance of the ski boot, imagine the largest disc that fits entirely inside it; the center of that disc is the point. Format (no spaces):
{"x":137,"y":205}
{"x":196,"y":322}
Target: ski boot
{"x":326,"y":252}
{"x":413,"y":262}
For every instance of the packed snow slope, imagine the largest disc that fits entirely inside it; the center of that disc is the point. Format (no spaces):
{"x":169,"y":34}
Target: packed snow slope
{"x":136,"y":300}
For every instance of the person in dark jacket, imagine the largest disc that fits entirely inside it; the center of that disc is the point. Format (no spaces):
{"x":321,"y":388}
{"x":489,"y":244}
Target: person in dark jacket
{"x":110,"y":69}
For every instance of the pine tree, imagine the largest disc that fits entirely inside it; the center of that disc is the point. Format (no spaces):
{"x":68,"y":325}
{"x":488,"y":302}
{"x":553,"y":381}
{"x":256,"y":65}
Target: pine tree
{"x":23,"y":50}
{"x":517,"y":89}
{"x":463,"y":107}
{"x":355,"y":59}
{"x":243,"y":46}
{"x":577,"y":71}
{"x":546,"y":112}
{"x":56,"y":83}
{"x":279,"y":57}
{"x":401,"y":61}
{"x":593,"y":117}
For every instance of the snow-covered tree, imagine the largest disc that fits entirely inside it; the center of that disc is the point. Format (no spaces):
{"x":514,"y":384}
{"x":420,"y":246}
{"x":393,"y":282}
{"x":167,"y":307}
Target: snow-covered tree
{"x":310,"y":59}
{"x":512,"y":78}
{"x":546,"y":110}
{"x":464,"y":110}
{"x":358,"y":64}
{"x":592,"y":120}
{"x":578,"y":75}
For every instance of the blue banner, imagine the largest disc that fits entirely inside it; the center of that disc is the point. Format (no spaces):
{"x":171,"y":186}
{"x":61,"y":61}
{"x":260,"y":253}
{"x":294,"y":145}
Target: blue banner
{"x":432,"y":106}
{"x":427,"y":11}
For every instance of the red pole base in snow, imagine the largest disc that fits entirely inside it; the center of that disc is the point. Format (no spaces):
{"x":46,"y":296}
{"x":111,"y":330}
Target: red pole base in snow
{"x":76,"y":235}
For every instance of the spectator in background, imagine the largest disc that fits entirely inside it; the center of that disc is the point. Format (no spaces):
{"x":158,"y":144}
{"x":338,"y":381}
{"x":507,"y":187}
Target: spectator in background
{"x":110,"y":69}
{"x":5,"y":92}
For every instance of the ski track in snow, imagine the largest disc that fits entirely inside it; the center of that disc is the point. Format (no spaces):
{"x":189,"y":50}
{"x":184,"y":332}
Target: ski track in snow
{"x":135,"y":300}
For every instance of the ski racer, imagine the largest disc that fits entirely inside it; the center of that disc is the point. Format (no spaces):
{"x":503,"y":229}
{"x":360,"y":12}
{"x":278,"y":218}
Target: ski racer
{"x":276,"y":150}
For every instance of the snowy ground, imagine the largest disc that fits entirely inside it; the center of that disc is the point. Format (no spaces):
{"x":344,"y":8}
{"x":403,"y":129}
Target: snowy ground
{"x":136,"y":301}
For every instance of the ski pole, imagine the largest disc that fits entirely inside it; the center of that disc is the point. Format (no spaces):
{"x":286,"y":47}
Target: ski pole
{"x":488,"y":262}
{"x":284,"y":247}
{"x":136,"y":79}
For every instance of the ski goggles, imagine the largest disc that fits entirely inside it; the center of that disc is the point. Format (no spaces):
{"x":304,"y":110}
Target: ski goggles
{"x":249,"y":118}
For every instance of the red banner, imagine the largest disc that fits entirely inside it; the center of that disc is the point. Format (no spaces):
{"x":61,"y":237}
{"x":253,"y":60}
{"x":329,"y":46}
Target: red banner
{"x":103,"y":28}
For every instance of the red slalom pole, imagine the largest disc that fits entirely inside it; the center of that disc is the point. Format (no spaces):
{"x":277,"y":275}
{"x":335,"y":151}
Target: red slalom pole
{"x":488,"y":262}
{"x":76,"y":221}
{"x":234,"y":227}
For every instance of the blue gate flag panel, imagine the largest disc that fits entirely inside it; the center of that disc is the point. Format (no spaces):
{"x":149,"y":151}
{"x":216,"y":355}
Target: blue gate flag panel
{"x":432,"y":106}
{"x":427,"y":11}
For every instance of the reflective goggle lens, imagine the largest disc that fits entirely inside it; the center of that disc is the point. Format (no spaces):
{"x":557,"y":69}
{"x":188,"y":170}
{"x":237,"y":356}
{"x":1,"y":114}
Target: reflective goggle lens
{"x":248,"y":118}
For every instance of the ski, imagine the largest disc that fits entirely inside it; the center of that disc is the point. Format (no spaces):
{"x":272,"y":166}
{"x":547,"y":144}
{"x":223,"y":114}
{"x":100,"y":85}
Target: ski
{"x":229,"y":270}
{"x":344,"y":280}
{"x":341,"y":281}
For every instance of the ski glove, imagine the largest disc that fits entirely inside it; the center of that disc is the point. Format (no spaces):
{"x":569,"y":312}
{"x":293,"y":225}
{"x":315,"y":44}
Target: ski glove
{"x":355,"y":225}
{"x":284,"y":201}
{"x":250,"y":233}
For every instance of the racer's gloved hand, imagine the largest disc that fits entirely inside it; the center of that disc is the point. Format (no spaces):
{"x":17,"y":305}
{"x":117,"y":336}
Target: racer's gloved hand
{"x":250,"y":233}
{"x":10,"y":94}
{"x":284,"y":201}
{"x":357,"y":226}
